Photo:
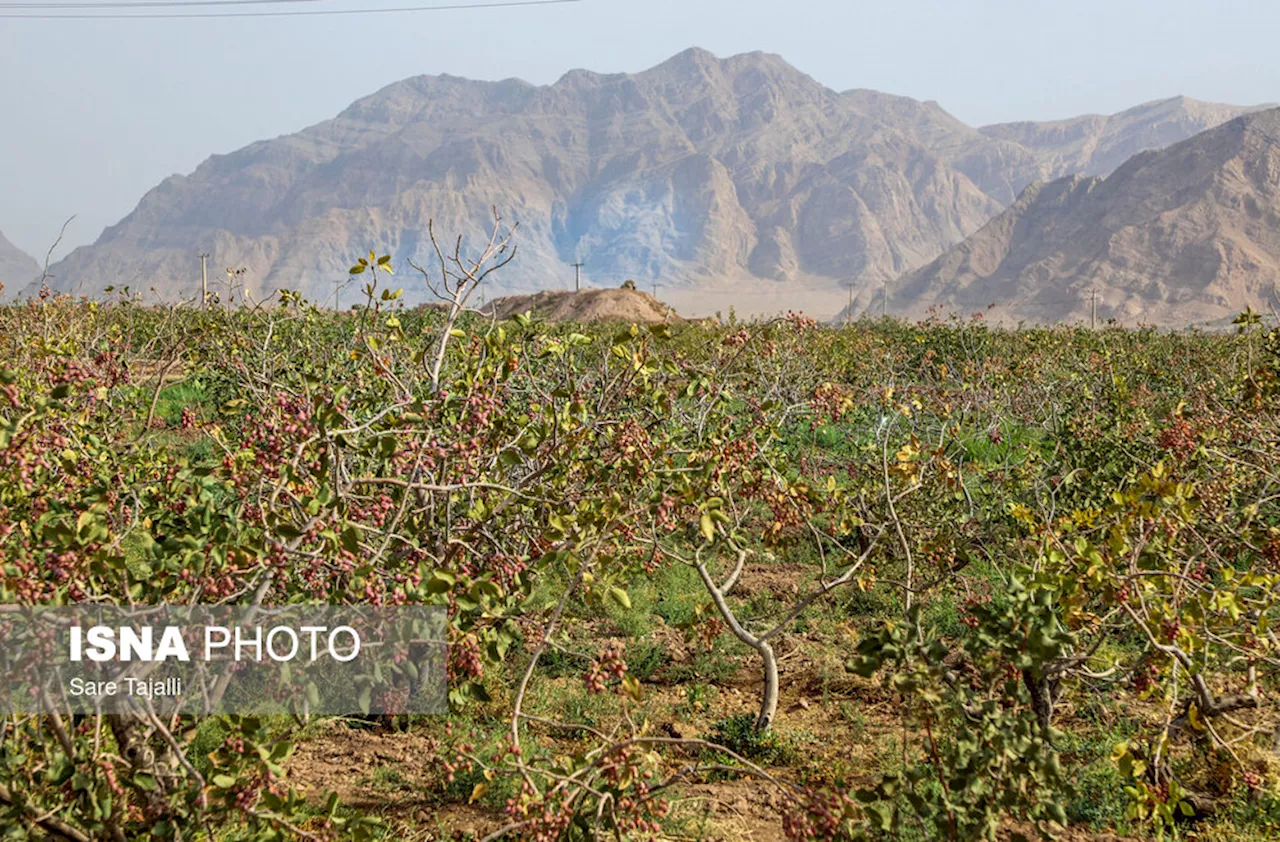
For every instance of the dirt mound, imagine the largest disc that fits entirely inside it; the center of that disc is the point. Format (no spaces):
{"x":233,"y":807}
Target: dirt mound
{"x":589,"y":305}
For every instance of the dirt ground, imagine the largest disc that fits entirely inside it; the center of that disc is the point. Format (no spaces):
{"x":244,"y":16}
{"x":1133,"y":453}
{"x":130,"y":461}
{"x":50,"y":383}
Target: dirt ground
{"x":389,"y":773}
{"x":348,"y":762}
{"x":592,"y":305}
{"x":837,"y":727}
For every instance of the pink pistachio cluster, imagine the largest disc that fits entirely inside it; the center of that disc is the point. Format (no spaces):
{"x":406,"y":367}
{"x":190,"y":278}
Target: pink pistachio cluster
{"x":817,"y":815}
{"x":609,"y":665}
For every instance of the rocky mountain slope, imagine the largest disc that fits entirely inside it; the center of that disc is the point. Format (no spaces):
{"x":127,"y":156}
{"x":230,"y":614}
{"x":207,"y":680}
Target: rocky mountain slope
{"x":1189,"y":234}
{"x":1097,"y":144}
{"x":17,"y":268}
{"x":699,"y":172}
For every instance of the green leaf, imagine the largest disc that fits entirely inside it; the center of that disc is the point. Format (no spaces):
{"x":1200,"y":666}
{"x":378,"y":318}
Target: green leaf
{"x":619,"y":596}
{"x":441,"y":581}
{"x":288,"y":531}
{"x":476,"y":691}
{"x":882,"y":814}
{"x":707,"y":526}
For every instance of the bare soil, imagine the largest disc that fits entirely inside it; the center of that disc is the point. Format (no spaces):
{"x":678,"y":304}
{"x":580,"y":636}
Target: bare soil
{"x":835,"y":724}
{"x":591,"y":305}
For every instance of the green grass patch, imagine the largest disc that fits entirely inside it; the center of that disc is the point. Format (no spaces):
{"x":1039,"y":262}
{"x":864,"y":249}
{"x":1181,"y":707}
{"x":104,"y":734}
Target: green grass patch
{"x":173,"y":399}
{"x":740,"y":735}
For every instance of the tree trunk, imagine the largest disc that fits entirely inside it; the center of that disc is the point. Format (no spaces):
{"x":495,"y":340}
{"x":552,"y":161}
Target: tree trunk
{"x":769,"y":701}
{"x":1041,"y":697}
{"x":769,"y":696}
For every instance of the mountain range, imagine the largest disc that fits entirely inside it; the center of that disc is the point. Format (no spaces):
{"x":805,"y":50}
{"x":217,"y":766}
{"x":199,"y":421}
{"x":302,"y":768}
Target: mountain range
{"x":720,"y":175}
{"x":17,"y":268}
{"x":1186,"y":234}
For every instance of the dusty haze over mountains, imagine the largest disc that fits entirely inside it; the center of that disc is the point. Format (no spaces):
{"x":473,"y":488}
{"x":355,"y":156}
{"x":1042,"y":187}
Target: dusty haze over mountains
{"x":17,"y":268}
{"x":1187,"y":234}
{"x":727,"y":178}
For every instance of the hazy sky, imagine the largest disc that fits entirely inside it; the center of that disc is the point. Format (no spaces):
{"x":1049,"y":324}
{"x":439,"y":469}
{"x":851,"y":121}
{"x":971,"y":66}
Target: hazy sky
{"x":97,"y":112}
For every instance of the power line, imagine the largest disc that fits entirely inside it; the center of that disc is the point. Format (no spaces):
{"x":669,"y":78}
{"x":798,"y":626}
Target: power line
{"x":493,"y":4}
{"x":147,"y":4}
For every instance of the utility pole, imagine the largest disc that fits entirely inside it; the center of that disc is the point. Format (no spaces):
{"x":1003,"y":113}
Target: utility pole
{"x":848,"y":313}
{"x":1093,"y":309}
{"x":577,"y":277}
{"x":204,"y":280}
{"x":884,"y":297}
